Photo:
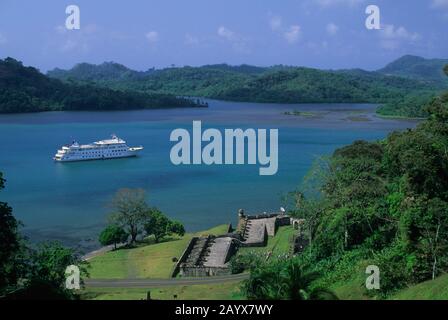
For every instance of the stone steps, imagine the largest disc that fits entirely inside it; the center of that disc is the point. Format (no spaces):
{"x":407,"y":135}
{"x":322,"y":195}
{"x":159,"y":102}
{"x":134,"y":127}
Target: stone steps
{"x":255,"y":231}
{"x":196,"y":253}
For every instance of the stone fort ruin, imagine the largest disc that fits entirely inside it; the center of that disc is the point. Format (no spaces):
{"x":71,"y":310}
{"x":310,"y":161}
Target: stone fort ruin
{"x":210,"y":255}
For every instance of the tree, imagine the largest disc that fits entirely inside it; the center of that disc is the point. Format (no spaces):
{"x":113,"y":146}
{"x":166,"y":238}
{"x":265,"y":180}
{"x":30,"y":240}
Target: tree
{"x":49,"y":261}
{"x":10,"y":245}
{"x":177,"y":228}
{"x":445,"y":69}
{"x":265,"y":283}
{"x":309,"y":210}
{"x":298,"y":284}
{"x":2,"y":181}
{"x":131,"y":211}
{"x":431,"y":221}
{"x":282,"y":280}
{"x":46,"y":278}
{"x":246,"y":261}
{"x":36,"y":289}
{"x":160,"y":225}
{"x":113,"y":234}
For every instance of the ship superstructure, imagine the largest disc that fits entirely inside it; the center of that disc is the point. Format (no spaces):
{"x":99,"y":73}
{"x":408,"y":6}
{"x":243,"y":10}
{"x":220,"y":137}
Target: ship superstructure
{"x":103,"y":149}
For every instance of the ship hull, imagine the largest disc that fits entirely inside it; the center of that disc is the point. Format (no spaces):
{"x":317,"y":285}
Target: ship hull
{"x":95,"y":159}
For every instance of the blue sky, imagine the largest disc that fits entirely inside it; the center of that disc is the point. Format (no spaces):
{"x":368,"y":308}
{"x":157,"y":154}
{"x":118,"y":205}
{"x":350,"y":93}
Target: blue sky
{"x":156,"y":33}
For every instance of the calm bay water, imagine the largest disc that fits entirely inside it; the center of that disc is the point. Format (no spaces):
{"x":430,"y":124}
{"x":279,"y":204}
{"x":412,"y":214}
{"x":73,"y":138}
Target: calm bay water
{"x":69,"y":201}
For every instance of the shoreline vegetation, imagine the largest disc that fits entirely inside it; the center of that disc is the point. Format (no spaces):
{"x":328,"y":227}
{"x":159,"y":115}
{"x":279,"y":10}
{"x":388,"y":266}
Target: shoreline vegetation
{"x":112,"y":86}
{"x":394,"y":86}
{"x":300,"y":113}
{"x":385,"y":116}
{"x":25,"y":90}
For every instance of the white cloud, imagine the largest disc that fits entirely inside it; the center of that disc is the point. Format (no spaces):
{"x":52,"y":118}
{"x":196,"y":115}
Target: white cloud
{"x":77,"y":41}
{"x":69,"y":45}
{"x":317,"y":47}
{"x":152,"y":37}
{"x":275,"y":23}
{"x":292,"y":34}
{"x":85,"y":30}
{"x":239,"y":43}
{"x":60,"y":29}
{"x":330,"y":3}
{"x":90,"y":29}
{"x":226,"y":33}
{"x":3,"y":39}
{"x":191,"y":40}
{"x":391,"y":32}
{"x":392,"y":37}
{"x":332,"y":29}
{"x":119,"y":36}
{"x":439,"y":4}
{"x":74,"y":45}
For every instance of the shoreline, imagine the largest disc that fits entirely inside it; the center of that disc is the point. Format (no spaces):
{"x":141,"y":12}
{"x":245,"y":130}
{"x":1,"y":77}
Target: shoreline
{"x":98,"y":252}
{"x":399,"y":117}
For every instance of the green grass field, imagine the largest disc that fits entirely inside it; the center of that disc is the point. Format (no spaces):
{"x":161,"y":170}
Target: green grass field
{"x":146,"y":261}
{"x":436,"y":289}
{"x":354,"y":289}
{"x":155,"y":261}
{"x":277,"y":246}
{"x":221,"y":291}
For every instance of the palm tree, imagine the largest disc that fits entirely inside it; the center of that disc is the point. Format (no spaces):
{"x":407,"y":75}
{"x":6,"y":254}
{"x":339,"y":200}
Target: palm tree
{"x":298,"y":284}
{"x":284,"y":280}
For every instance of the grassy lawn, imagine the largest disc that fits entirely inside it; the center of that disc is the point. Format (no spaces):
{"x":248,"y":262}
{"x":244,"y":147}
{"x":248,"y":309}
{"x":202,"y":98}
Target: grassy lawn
{"x":221,"y":291}
{"x":353,"y":289}
{"x":278,"y":245}
{"x":436,"y":289}
{"x":146,"y":261}
{"x":155,"y":261}
{"x":429,"y":290}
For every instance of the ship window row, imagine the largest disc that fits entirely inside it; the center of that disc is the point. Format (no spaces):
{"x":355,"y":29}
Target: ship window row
{"x":101,"y":152}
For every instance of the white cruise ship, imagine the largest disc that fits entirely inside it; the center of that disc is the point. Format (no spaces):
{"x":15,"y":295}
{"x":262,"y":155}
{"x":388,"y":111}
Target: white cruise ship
{"x":104,"y":149}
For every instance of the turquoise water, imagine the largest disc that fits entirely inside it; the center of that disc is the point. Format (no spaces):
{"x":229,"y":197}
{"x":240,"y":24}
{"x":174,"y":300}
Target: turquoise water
{"x":69,"y":201}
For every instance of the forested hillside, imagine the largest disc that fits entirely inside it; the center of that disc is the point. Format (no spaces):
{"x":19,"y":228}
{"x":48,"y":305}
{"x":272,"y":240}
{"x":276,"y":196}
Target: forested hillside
{"x":414,"y":67}
{"x":279,"y":84}
{"x":415,"y":104}
{"x":305,"y":85}
{"x":25,"y":89}
{"x":382,"y":203}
